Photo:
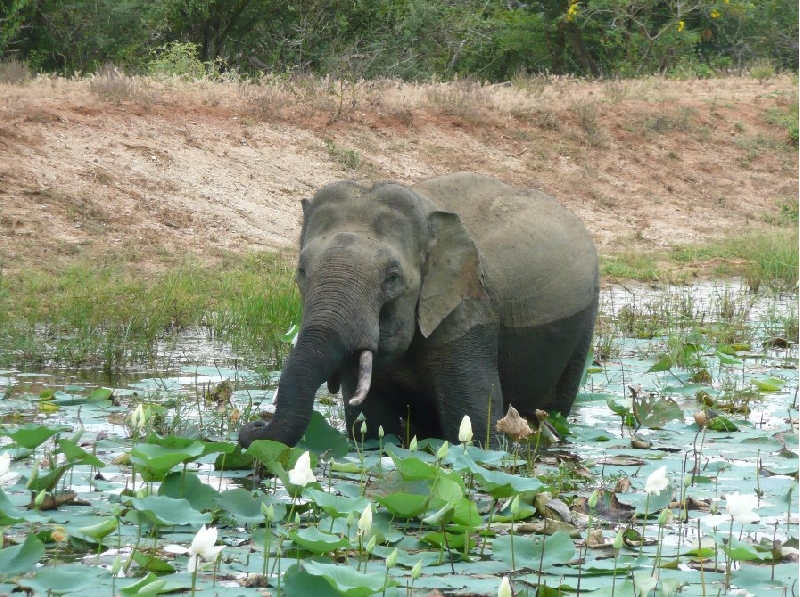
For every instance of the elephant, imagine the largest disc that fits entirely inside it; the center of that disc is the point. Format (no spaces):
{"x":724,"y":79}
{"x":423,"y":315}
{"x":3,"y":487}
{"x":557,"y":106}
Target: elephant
{"x":460,"y":295}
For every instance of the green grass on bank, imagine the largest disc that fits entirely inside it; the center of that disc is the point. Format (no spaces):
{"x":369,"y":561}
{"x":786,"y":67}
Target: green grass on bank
{"x":110,"y":315}
{"x":762,"y":260}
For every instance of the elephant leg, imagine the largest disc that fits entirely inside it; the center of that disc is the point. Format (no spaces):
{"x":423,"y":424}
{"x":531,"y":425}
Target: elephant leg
{"x":570,"y":380}
{"x":541,"y":367}
{"x":466,"y":382}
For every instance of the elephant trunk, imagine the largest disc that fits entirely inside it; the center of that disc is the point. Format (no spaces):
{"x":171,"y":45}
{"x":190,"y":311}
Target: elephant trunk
{"x":321,"y":352}
{"x":304,"y":372}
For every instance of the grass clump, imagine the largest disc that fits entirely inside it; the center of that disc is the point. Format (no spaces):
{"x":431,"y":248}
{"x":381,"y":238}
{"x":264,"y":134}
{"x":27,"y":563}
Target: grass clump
{"x":464,"y":98}
{"x":769,"y":260}
{"x":112,"y":85}
{"x":762,"y":69}
{"x":349,"y":159}
{"x":14,"y":72}
{"x":763,"y":259}
{"x":787,"y":119}
{"x":630,"y":265}
{"x":111,"y":315}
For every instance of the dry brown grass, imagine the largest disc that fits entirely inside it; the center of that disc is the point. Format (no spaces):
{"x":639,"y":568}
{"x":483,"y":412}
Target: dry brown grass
{"x":649,"y":163}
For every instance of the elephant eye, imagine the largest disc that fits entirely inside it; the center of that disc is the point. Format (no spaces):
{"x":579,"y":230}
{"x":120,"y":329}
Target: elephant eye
{"x":393,"y":282}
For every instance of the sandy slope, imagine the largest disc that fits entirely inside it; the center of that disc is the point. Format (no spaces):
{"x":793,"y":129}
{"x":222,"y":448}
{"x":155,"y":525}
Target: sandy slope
{"x":177,"y":167}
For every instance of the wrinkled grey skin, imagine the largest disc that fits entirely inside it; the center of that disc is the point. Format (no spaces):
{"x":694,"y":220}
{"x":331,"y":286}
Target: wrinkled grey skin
{"x":464,"y":314}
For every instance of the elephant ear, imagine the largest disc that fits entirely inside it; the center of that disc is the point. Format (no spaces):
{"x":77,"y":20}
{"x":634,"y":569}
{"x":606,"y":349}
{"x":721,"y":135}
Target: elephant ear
{"x":453,"y":271}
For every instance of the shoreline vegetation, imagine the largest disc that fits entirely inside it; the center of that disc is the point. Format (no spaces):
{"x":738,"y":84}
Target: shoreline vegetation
{"x":88,"y":302}
{"x":112,"y":314}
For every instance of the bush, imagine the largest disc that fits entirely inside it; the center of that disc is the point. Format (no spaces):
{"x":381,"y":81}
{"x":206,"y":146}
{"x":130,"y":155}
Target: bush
{"x":180,"y":60}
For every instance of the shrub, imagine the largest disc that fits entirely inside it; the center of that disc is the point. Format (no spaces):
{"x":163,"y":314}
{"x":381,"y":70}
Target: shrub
{"x":180,"y":60}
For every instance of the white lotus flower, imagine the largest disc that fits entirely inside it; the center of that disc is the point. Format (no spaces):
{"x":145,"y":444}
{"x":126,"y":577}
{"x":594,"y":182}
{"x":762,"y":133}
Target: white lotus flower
{"x":5,"y":465}
{"x":365,"y":522}
{"x":203,"y":547}
{"x":505,"y":588}
{"x":465,"y":431}
{"x":741,"y":507}
{"x":657,"y":481}
{"x":302,"y":474}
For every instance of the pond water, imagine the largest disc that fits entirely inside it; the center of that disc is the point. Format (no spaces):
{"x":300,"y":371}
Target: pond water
{"x":656,"y":350}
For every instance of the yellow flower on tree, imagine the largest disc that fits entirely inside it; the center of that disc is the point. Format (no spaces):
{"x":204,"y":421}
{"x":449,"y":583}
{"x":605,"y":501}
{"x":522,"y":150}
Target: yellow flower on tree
{"x":681,"y":26}
{"x":572,"y":11}
{"x":714,"y":14}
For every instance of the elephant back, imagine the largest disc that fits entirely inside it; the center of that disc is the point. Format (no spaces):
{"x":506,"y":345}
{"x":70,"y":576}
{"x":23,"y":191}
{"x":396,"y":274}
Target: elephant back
{"x":539,"y":261}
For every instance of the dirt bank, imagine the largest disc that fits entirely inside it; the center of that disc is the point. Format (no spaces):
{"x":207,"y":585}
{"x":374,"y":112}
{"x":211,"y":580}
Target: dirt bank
{"x":173,"y":168}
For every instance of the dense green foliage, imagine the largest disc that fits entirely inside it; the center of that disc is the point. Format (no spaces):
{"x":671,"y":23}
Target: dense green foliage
{"x":411,"y":39}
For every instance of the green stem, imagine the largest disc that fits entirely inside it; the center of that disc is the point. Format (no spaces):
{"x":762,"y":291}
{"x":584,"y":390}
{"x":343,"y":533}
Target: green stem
{"x":267,"y":541}
{"x":489,"y":524}
{"x":728,"y":561}
{"x":700,"y":551}
{"x":657,"y":561}
{"x":644,"y":523}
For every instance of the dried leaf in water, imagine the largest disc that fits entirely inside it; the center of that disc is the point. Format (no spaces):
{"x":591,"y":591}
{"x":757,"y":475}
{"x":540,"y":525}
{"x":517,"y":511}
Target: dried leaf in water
{"x":595,"y":538}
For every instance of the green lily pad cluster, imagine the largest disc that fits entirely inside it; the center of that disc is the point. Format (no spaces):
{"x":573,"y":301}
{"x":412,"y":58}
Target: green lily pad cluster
{"x":638,"y":498}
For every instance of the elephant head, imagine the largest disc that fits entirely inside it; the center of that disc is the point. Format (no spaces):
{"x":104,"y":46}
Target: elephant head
{"x":376,"y":267}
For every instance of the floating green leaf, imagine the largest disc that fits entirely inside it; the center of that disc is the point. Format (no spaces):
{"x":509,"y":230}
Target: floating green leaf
{"x":169,"y":511}
{"x":101,"y":530}
{"x":654,"y":411}
{"x":315,"y":541}
{"x":665,"y":363}
{"x":150,"y":563}
{"x":184,"y":484}
{"x":727,"y":359}
{"x":100,"y":394}
{"x":153,"y":461}
{"x":63,"y":579}
{"x":499,"y":484}
{"x":535,"y":552}
{"x":77,"y":455}
{"x":153,"y":585}
{"x":405,"y":505}
{"x":270,"y":453}
{"x":31,"y":436}
{"x":347,"y":581}
{"x":19,"y":559}
{"x":769,"y":384}
{"x":246,"y":507}
{"x":321,"y":437}
{"x":721,"y":423}
{"x":335,"y":505}
{"x":9,"y":513}
{"x":411,"y":468}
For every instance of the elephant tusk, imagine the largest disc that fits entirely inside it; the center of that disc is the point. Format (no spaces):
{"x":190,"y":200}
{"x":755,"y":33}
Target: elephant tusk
{"x":364,"y":378}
